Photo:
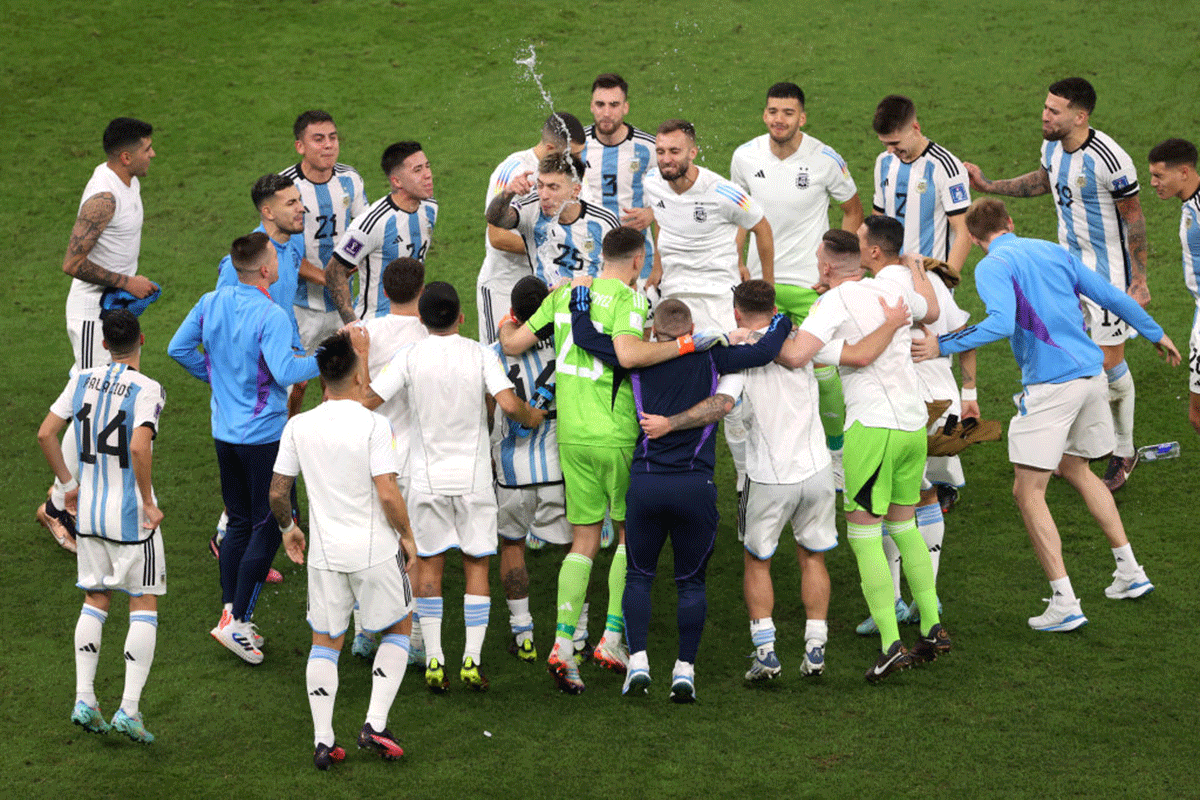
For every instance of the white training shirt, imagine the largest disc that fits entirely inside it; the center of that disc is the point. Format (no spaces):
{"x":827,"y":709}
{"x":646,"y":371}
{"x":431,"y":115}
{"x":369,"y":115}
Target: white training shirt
{"x":119,"y":243}
{"x":340,"y":447}
{"x":446,"y":378}
{"x":887,"y":392}
{"x":500,"y":265}
{"x":923,"y":195}
{"x":388,"y":335}
{"x":795,"y":193}
{"x":697,"y":232}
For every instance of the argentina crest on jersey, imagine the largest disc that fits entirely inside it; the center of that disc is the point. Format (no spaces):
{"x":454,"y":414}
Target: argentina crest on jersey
{"x":635,"y":164}
{"x":699,"y":214}
{"x":802,"y":178}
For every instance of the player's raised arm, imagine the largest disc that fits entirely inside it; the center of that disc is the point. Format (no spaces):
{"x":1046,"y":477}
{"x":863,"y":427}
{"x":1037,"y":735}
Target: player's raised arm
{"x":500,"y":211}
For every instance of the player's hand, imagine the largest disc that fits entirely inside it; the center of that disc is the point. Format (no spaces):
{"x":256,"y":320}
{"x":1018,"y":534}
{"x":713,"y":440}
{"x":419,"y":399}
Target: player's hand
{"x":360,"y":340}
{"x":896,"y":316}
{"x":152,"y":515}
{"x":520,"y":185}
{"x":739,"y":336}
{"x":293,"y":543}
{"x":637,"y":218}
{"x":654,"y":426}
{"x":978,"y":182}
{"x":581,"y":280}
{"x":139,"y":286}
{"x":1141,"y":293}
{"x":820,"y":288}
{"x":744,"y":272}
{"x":1164,"y":346}
{"x":536,"y":416}
{"x":970,"y":409}
{"x":581,"y":299}
{"x":927,"y":348}
{"x":653,"y":280}
{"x":71,"y":502}
{"x":707,"y":340}
{"x":409,"y":546}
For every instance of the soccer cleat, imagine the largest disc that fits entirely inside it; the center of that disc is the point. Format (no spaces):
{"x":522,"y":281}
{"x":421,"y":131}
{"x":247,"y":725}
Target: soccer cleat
{"x":273,"y":576}
{"x":1059,"y":617}
{"x":947,"y":497}
{"x":583,"y":653}
{"x":565,"y":672}
{"x":364,"y":645}
{"x":526,"y":651}
{"x":610,"y":657}
{"x":381,"y":742}
{"x":1119,"y":470}
{"x":471,"y":675}
{"x":765,"y":667}
{"x":214,"y":547}
{"x":1135,"y":585}
{"x":637,"y":682}
{"x":931,"y":645}
{"x":51,"y":519}
{"x":239,"y":637}
{"x":813,"y":665}
{"x":895,"y":659}
{"x":868,"y":627}
{"x":607,"y":534}
{"x":89,"y":718}
{"x":533,"y":542}
{"x":131,"y":725}
{"x":435,"y":677}
{"x":326,"y":755}
{"x":683,"y":688}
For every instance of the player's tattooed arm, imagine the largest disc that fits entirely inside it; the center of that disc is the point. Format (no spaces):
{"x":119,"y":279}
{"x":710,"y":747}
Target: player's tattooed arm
{"x":967,"y":369}
{"x":280,"y":497}
{"x":1130,"y":209}
{"x":707,"y":411}
{"x":1031,"y":184}
{"x":337,"y":283}
{"x":94,"y":216}
{"x":500,"y":211}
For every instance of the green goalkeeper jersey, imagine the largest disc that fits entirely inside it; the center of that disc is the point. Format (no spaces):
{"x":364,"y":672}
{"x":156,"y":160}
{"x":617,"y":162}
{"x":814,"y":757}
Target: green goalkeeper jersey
{"x":589,"y":411}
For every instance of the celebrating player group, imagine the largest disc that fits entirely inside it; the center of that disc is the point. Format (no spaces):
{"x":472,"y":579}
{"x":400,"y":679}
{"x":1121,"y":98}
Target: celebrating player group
{"x":629,"y":301}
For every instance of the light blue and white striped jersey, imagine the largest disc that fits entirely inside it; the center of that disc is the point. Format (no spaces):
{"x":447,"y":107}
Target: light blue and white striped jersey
{"x":557,"y":251}
{"x":1189,"y":239}
{"x":614,"y":176}
{"x":923,"y":195}
{"x":1086,"y":185}
{"x":500,"y":265}
{"x":107,"y":404}
{"x":532,"y":460}
{"x":381,"y":234}
{"x":328,"y":209}
{"x":283,"y":290}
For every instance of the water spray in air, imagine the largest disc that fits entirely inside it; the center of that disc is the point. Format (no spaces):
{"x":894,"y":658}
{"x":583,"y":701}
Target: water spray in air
{"x":529,"y":62}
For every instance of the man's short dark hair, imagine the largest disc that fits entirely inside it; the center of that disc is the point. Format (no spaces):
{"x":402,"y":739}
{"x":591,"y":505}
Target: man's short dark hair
{"x":672,"y":125}
{"x":562,"y":164}
{"x":754,"y":297}
{"x":309,"y":118}
{"x":403,"y":279}
{"x":336,"y":358}
{"x":893,"y":113}
{"x":786,"y":89}
{"x":561,"y":127}
{"x":986,"y":216}
{"x":611,"y":80}
{"x":622,"y":243}
{"x":839,"y":242}
{"x":886,"y":233}
{"x":121,"y":330}
{"x":246,"y":251}
{"x":672,"y":318}
{"x":125,"y":133}
{"x":1076,"y":91}
{"x":266,"y":187}
{"x":527,"y":295}
{"x":1174,"y":153}
{"x":395,"y":155}
{"x":438,"y":306}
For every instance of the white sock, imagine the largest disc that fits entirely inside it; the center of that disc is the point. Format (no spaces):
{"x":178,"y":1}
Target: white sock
{"x":581,"y":627}
{"x":639,"y":660}
{"x":416,"y":641}
{"x":358,"y":628}
{"x":520,"y":621}
{"x":88,"y":632}
{"x":476,"y":608}
{"x":611,"y":639}
{"x":1126,"y":563}
{"x":430,"y":609}
{"x":321,"y":680}
{"x":762,"y":634}
{"x":387,"y":671}
{"x":893,"y":556}
{"x":1121,"y":400}
{"x":816,"y":630}
{"x":932,"y":525}
{"x":1063,"y":593}
{"x":139,"y":655}
{"x":684,"y":668}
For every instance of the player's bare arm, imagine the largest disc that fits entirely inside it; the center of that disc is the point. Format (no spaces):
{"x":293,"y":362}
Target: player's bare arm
{"x":94,"y":216}
{"x":927,"y":348}
{"x":962,"y":243}
{"x":505,"y":240}
{"x":1031,"y":184}
{"x":311,"y":272}
{"x":967,"y":370}
{"x":871,"y":346}
{"x":397,"y":515}
{"x":1166,"y":348}
{"x":141,"y":450}
{"x":764,"y":240}
{"x":924,"y":288}
{"x":707,"y":411}
{"x":280,"y":498}
{"x":637,"y":218}
{"x":51,"y":427}
{"x":337,"y":281}
{"x":739,"y":241}
{"x":852,"y":214}
{"x":1130,"y":209}
{"x":515,"y":337}
{"x":519,"y":411}
{"x":655,"y":276}
{"x":500,"y":211}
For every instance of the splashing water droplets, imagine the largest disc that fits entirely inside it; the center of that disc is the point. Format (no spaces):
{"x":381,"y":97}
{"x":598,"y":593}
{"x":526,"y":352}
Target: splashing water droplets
{"x":529,"y":62}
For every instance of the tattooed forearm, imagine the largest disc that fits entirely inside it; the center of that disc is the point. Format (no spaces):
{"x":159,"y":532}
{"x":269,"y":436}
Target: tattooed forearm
{"x":338,"y":286}
{"x":94,"y":216}
{"x":500,"y":211}
{"x":1130,"y":210}
{"x":707,"y":411}
{"x":280,"y":498}
{"x":1030,"y":184}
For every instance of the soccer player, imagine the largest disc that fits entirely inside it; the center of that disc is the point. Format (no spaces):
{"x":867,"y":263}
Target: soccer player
{"x":921,"y":184}
{"x":1100,"y":222}
{"x":1031,"y":290}
{"x":562,"y":234}
{"x":529,"y":479}
{"x":446,"y":378}
{"x":115,"y":409}
{"x":1173,"y":174}
{"x":107,"y":236}
{"x":794,"y":176}
{"x":248,"y":360}
{"x":359,"y":526}
{"x":885,"y":444}
{"x":398,"y":224}
{"x":618,"y":156}
{"x":505,"y":261}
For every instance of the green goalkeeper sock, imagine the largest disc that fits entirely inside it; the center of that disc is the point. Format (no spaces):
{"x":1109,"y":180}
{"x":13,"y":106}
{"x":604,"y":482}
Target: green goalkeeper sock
{"x":866,"y":541}
{"x":918,"y":569}
{"x":572,"y":589}
{"x":832,"y":404}
{"x":615,"y":621}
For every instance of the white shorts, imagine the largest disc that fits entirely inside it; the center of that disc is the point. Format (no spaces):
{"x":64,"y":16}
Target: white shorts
{"x":1194,"y":357}
{"x":808,"y":505}
{"x":712,"y":312}
{"x":136,"y":568}
{"x":382,"y":592}
{"x":87,"y":343}
{"x":316,"y":326}
{"x":540,"y":510}
{"x":493,"y":301}
{"x":464,"y":522}
{"x":1105,"y":327}
{"x":944,"y":471}
{"x":1070,"y":418}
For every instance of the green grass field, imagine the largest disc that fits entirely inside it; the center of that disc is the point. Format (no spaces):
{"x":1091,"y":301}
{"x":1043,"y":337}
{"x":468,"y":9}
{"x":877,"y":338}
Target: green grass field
{"x":1107,"y":711}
